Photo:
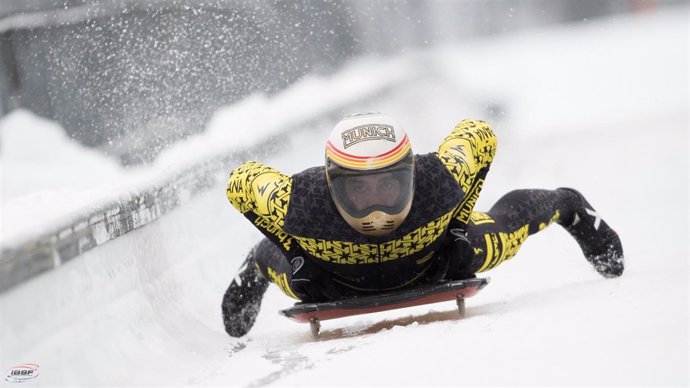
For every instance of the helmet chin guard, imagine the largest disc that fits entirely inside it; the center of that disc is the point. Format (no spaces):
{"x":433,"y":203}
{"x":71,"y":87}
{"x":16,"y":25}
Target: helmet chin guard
{"x":377,"y":223}
{"x":370,"y":172}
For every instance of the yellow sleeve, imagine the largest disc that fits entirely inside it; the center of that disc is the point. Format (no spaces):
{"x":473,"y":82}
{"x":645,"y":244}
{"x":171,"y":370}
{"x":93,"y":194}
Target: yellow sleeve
{"x":261,"y":190}
{"x":470,"y":147}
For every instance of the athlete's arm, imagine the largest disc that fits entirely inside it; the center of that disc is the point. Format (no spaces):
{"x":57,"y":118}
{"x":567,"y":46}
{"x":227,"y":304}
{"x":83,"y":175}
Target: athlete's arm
{"x":469,"y":147}
{"x":262,"y":195}
{"x":254,"y":187}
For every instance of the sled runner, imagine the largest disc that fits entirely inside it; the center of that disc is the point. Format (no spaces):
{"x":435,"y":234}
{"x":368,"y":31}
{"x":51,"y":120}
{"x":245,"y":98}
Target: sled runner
{"x":314,"y":313}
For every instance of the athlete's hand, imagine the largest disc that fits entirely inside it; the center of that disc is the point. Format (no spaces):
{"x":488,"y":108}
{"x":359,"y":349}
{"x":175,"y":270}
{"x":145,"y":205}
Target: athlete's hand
{"x":459,"y":253}
{"x":311,"y":283}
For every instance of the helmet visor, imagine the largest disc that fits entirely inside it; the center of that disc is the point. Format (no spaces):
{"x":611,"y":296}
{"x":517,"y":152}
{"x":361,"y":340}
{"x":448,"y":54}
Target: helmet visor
{"x":388,"y":190}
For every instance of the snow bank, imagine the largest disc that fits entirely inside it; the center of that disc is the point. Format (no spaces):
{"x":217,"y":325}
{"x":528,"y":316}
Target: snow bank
{"x":48,"y":219}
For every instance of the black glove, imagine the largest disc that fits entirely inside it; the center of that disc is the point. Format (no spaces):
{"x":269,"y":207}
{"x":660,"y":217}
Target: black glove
{"x":311,"y":283}
{"x":458,"y":253}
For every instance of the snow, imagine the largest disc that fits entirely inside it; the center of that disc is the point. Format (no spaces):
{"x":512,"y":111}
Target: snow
{"x":602,"y":107}
{"x":46,"y":175}
{"x":48,"y":183}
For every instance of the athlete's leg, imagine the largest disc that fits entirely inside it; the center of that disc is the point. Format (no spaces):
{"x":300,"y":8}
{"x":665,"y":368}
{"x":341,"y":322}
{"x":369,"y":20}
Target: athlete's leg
{"x":242,"y":300}
{"x":599,"y":242}
{"x":498,"y":234}
{"x":274,"y":266}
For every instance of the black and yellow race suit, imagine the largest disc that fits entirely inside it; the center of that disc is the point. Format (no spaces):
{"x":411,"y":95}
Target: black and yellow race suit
{"x":297,"y":214}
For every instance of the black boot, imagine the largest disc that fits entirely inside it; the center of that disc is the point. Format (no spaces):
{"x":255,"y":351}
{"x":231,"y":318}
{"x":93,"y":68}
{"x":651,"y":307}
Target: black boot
{"x":600,"y":244}
{"x":242,"y":300}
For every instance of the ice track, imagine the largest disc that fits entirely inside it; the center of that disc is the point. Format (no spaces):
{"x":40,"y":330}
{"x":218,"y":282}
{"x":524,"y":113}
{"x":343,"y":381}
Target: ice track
{"x":144,"y":309}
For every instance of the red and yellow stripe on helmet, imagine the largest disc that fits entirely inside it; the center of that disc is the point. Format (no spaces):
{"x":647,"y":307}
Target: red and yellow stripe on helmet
{"x":369,"y":162}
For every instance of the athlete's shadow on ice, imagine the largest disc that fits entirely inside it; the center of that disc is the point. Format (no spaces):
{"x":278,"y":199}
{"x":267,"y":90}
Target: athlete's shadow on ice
{"x":334,"y":329}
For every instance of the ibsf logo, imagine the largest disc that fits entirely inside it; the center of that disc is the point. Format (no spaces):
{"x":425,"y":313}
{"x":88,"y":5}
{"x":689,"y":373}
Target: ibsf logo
{"x":21,"y":373}
{"x":368,"y":132}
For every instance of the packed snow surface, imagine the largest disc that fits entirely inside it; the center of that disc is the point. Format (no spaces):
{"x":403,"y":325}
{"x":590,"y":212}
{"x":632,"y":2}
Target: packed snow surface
{"x":601,"y":106}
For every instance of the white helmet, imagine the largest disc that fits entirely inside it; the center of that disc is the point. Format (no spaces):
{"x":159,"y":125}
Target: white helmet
{"x":370,"y":172}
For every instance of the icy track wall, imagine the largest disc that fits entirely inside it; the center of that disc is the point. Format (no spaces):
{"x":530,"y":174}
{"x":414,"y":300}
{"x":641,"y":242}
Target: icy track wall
{"x":160,"y":193}
{"x":132,"y":76}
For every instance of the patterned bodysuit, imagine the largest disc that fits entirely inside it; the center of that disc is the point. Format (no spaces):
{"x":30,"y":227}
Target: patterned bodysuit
{"x":299,"y":218}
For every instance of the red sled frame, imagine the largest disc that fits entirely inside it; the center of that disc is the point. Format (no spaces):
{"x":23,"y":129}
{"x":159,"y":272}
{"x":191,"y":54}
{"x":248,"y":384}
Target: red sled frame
{"x":456,"y":290}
